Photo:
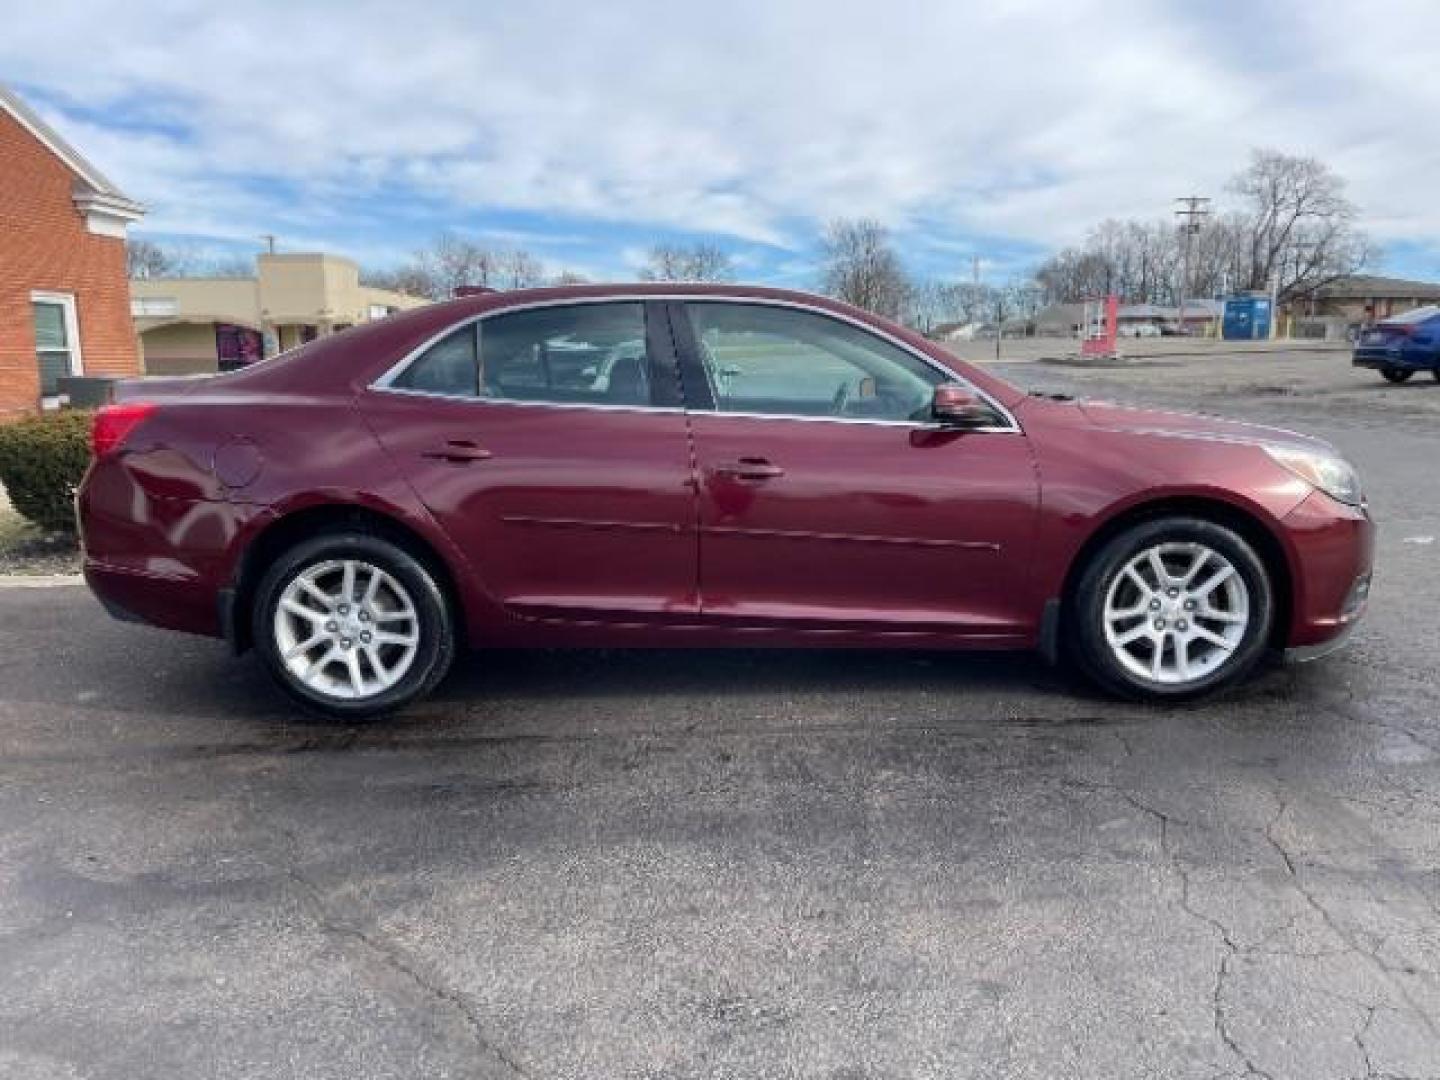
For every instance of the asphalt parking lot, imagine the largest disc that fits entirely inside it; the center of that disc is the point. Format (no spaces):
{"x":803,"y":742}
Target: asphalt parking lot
{"x":747,"y":864}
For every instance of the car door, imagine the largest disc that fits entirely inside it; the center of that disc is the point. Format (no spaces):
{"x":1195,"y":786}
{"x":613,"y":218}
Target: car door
{"x":550,"y":444}
{"x":828,"y":500}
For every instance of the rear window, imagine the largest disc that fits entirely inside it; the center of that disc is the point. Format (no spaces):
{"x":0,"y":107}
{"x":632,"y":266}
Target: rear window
{"x":583,"y":354}
{"x":450,"y":366}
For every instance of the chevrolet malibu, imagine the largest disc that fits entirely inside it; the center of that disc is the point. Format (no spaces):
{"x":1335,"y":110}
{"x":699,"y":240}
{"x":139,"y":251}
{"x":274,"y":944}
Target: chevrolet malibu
{"x":663,"y":466}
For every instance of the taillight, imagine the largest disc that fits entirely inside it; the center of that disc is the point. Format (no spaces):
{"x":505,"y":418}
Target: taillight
{"x":114,"y":423}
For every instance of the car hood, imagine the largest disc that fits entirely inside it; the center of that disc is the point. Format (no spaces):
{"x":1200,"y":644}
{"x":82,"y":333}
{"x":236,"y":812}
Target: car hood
{"x":1188,"y":425}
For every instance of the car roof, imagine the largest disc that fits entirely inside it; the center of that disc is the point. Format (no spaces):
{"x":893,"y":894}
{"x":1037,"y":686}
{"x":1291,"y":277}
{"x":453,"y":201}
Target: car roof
{"x":357,"y":356}
{"x":1414,"y":315}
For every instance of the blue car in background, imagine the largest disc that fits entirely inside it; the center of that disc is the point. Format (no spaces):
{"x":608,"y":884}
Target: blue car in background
{"x":1401,"y":345}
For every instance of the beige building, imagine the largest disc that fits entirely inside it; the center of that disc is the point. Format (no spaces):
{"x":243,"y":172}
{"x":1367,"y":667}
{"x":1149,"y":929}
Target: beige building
{"x":190,"y":325}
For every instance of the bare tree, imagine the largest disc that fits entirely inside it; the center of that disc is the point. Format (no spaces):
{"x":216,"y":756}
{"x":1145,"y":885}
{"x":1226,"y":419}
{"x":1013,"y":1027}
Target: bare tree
{"x":517,"y":270}
{"x":1294,"y":230}
{"x":1301,"y":224}
{"x":695,"y":262}
{"x":862,"y":268}
{"x":146,"y":259}
{"x":410,"y":278}
{"x":451,"y":261}
{"x":930,"y":304}
{"x":569,"y":277}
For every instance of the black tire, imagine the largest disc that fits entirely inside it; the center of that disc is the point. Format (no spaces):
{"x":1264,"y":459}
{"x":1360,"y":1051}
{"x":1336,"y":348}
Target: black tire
{"x":434,"y":651}
{"x":1436,"y":372}
{"x":1399,"y":375}
{"x":1086,"y":623}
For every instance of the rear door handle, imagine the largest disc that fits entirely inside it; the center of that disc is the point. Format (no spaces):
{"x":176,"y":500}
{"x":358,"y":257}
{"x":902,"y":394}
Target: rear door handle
{"x":749,"y":468}
{"x":458,"y":450}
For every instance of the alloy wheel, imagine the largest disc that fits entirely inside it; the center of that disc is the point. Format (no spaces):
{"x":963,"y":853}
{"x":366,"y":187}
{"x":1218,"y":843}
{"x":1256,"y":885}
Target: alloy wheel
{"x":1176,"y":612}
{"x":346,"y":629}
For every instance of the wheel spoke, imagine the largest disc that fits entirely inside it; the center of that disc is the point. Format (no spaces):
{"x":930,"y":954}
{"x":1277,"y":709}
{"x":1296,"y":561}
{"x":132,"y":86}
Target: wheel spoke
{"x":1158,"y":658}
{"x":1214,"y":581}
{"x":294,"y":607}
{"x":1215,"y":615}
{"x":352,"y":665}
{"x":384,"y":637}
{"x":1182,"y":656}
{"x":309,"y":588}
{"x":1213,"y":638}
{"x":1157,"y":564}
{"x":372,"y":587}
{"x":347,"y":582}
{"x":1134,"y":634}
{"x":305,"y":646}
{"x":1146,"y":589}
{"x":372,"y":654}
{"x":1201,"y":559}
{"x":320,"y":663}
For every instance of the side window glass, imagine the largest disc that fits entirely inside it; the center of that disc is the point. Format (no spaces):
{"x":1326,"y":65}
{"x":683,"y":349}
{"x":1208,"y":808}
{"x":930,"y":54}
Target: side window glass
{"x":782,"y":362}
{"x":450,"y":366}
{"x":580,"y":354}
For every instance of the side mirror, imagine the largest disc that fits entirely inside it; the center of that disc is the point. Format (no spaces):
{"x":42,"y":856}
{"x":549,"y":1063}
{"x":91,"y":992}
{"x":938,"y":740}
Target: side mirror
{"x":956,"y":406}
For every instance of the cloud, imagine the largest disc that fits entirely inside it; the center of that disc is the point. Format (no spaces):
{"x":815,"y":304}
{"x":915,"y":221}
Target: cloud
{"x":1002,"y":129}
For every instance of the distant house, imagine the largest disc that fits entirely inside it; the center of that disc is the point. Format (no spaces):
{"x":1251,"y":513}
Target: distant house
{"x":955,"y":331}
{"x":199,"y":325}
{"x":1059,"y":320}
{"x":1067,"y":320}
{"x":64,"y":298}
{"x":1364,"y":298}
{"x":1198,"y":315}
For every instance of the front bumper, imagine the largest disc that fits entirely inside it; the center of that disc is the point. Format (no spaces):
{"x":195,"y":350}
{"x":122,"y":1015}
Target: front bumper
{"x":1332,"y":549}
{"x":1304,"y":654}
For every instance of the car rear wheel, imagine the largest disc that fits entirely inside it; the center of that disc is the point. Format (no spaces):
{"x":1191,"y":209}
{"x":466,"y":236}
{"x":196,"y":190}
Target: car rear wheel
{"x":1399,"y":375}
{"x":1172,"y":608}
{"x":352,"y":625}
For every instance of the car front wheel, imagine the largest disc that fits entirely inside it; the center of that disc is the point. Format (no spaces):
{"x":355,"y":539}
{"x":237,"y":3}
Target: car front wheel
{"x":352,"y":625}
{"x":1396,"y":374}
{"x":1171,"y":609}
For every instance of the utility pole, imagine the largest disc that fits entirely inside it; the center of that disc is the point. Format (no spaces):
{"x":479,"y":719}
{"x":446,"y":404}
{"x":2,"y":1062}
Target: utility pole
{"x":1195,"y":209}
{"x":269,"y":239}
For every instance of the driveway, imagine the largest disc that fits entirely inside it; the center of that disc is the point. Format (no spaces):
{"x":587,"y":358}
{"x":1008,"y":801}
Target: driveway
{"x":750,"y":864}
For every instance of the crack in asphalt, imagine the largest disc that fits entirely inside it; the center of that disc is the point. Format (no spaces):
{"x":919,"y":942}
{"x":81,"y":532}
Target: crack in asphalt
{"x":396,"y":960}
{"x":1235,"y":950}
{"x":384,"y":953}
{"x":1220,"y":1019}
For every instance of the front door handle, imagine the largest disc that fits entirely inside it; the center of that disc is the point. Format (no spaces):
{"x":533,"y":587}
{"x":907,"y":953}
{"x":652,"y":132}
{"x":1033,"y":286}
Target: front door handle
{"x":459,"y":451}
{"x":748,"y":468}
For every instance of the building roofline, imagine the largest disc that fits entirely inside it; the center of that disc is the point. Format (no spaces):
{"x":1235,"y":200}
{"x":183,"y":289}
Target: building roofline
{"x":1372,"y":286}
{"x":103,"y":194}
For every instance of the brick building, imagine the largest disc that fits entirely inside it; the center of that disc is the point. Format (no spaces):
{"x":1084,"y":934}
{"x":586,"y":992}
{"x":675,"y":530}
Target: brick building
{"x":64,"y":295}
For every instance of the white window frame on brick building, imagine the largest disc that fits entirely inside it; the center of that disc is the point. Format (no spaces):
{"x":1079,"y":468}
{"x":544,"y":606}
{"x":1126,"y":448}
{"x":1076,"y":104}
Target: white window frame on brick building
{"x":71,"y":323}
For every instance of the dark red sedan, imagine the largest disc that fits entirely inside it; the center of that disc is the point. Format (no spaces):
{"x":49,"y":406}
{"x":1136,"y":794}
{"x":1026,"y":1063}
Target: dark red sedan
{"x":707,"y":466}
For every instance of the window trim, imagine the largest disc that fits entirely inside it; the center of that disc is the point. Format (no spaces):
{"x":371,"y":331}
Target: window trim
{"x":657,"y":341}
{"x":66,"y":302}
{"x":670,"y":306}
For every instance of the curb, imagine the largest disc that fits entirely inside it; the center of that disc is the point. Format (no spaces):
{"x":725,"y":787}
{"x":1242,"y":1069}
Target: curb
{"x":39,"y":581}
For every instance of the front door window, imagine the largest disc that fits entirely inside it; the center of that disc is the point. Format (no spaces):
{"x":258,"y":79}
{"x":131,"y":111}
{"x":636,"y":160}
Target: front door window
{"x":780,"y":362}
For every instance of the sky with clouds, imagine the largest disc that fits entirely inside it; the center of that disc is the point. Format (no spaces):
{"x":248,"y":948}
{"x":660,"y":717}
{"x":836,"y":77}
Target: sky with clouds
{"x":585,"y":131}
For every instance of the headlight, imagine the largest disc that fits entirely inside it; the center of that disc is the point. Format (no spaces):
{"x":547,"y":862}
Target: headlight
{"x":1332,"y":475}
